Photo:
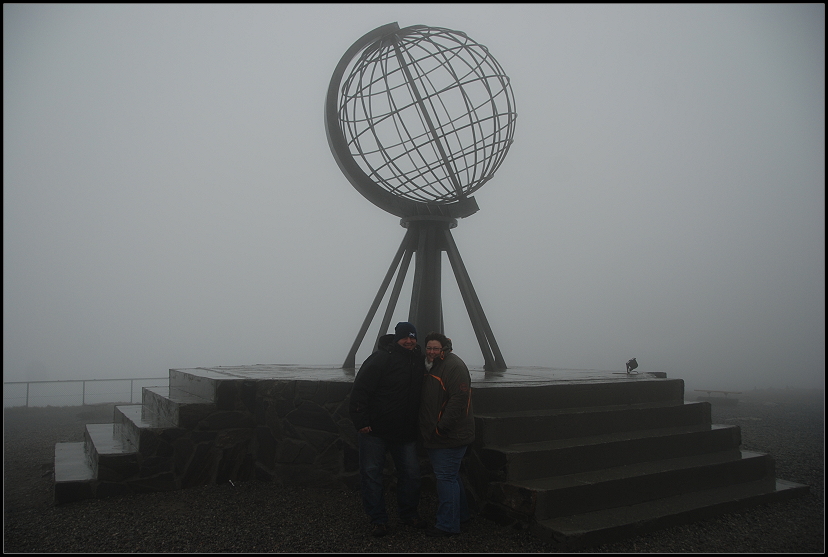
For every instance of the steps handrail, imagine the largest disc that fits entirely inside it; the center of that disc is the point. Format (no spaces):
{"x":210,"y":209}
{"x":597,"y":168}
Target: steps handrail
{"x":84,"y":381}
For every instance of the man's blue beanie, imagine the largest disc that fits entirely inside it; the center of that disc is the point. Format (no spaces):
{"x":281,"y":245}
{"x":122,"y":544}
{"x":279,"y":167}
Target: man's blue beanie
{"x":404,"y":329}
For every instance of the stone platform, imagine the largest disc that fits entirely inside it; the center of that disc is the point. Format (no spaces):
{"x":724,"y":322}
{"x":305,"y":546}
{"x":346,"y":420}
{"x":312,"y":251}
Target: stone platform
{"x":583,"y":456}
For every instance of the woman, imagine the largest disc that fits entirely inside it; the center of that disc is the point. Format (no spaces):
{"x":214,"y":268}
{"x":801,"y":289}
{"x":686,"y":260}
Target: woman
{"x":447,"y":429}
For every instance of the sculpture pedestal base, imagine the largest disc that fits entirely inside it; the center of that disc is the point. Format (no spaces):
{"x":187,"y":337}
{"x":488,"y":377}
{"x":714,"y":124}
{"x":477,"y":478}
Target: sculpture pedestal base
{"x":583,"y":456}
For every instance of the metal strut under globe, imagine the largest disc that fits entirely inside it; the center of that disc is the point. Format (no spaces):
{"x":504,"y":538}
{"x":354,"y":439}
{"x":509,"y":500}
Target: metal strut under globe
{"x":428,"y":238}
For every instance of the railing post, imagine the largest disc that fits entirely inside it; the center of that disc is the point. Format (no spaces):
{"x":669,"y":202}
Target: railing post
{"x":27,"y":394}
{"x":83,"y":395}
{"x":130,"y":391}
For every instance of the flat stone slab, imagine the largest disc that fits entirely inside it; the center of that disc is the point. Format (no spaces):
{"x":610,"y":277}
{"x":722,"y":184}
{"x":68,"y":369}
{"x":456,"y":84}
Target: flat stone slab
{"x":479,"y":377}
{"x":71,"y":464}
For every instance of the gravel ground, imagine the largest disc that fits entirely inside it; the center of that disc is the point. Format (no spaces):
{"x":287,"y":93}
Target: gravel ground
{"x":259,"y":517}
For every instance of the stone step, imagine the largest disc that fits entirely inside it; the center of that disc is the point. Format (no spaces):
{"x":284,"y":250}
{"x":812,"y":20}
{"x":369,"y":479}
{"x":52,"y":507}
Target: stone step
{"x":139,"y":426}
{"x":631,"y":484}
{"x":488,"y":398}
{"x":176,"y":406}
{"x":73,"y":473}
{"x":608,"y":525}
{"x":523,"y":461}
{"x":529,"y":426}
{"x":112,"y":458}
{"x":204,"y":384}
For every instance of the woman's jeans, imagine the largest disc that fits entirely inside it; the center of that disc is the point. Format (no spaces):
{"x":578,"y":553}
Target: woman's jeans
{"x":371,"y":463}
{"x":453,"y":508}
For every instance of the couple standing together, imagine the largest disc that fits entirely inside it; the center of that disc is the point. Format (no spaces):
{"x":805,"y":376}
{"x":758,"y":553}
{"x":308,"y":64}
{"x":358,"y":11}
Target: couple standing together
{"x":398,"y":396}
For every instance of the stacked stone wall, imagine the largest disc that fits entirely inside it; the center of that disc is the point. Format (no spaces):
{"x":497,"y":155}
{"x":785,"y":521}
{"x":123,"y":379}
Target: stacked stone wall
{"x":291,"y":432}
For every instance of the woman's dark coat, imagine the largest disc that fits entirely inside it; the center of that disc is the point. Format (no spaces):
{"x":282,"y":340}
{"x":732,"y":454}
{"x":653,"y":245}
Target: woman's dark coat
{"x":446,"y":414}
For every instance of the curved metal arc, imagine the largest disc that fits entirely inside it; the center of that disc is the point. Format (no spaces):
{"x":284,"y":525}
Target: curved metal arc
{"x":394,"y":204}
{"x":401,"y":204}
{"x":336,"y":140}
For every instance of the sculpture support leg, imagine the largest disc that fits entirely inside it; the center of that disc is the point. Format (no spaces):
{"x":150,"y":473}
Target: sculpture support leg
{"x":395,"y":295}
{"x":425,"y":307}
{"x":350,"y":360}
{"x":493,"y":359}
{"x":429,"y":240}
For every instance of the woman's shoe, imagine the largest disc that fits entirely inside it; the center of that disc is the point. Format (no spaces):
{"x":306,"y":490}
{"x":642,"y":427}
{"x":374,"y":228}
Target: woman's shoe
{"x":435,"y":532}
{"x":379,"y":530}
{"x":418,"y":523}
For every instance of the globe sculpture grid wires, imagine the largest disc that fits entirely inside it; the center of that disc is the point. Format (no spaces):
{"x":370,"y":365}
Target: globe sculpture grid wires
{"x":428,"y":114}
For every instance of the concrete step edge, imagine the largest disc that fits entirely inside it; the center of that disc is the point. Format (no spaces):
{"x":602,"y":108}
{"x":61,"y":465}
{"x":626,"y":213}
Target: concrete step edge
{"x":177,"y":407}
{"x":574,"y":394}
{"x":636,"y":470}
{"x":540,"y":446}
{"x":71,"y":463}
{"x":106,"y":441}
{"x":74,"y":478}
{"x":142,"y":417}
{"x":178,"y":396}
{"x":131,"y":420}
{"x":597,"y":527}
{"x":197,"y":385}
{"x":584,"y":410}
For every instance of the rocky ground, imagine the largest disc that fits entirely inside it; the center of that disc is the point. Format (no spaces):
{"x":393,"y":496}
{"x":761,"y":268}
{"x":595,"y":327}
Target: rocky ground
{"x":258,"y":517}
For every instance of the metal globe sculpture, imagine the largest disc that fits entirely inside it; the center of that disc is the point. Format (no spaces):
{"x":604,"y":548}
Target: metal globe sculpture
{"x":428,"y":114}
{"x":418,"y":119}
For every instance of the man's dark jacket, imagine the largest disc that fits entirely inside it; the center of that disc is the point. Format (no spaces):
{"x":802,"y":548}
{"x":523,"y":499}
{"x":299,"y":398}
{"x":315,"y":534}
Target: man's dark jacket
{"x":386,"y":391}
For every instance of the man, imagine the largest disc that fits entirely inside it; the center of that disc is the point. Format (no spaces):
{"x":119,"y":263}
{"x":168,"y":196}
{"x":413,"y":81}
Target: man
{"x":447,"y":429}
{"x":384,"y":407}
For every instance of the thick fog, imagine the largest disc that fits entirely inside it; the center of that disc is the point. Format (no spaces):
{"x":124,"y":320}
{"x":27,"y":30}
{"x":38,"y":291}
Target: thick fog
{"x":170,"y":199}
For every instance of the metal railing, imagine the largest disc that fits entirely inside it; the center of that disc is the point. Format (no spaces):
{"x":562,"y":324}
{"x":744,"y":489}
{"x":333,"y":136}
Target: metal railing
{"x":55,"y":391}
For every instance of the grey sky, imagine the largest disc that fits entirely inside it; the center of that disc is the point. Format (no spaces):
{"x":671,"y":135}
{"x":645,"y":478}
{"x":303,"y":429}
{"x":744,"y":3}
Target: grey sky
{"x":170,"y":199}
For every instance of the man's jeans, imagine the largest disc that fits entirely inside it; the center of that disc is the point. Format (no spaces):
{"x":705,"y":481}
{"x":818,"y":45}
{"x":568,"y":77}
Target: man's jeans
{"x":453,"y":507}
{"x":371,"y":463}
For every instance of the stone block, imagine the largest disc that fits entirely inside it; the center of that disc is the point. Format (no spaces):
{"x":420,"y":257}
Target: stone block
{"x":118,"y":468}
{"x":310,"y":390}
{"x":288,"y":451}
{"x":173,"y":433}
{"x":163,"y":448}
{"x":283,"y":406}
{"x":330,"y":459}
{"x":236,"y":395}
{"x":184,"y":450}
{"x":199,"y":436}
{"x":200,"y":469}
{"x":265,"y":447}
{"x":275,"y":388}
{"x":148,"y":442}
{"x":231,"y":462}
{"x":319,"y":440}
{"x":156,"y":465}
{"x":350,"y":459}
{"x":337,"y":392}
{"x":226,"y":420}
{"x":227,"y":438}
{"x":312,"y":416}
{"x":261,"y":474}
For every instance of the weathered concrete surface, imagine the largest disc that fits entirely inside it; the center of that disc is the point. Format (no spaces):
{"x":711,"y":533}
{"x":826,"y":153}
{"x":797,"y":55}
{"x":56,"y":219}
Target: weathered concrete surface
{"x":282,"y":423}
{"x":581,"y":455}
